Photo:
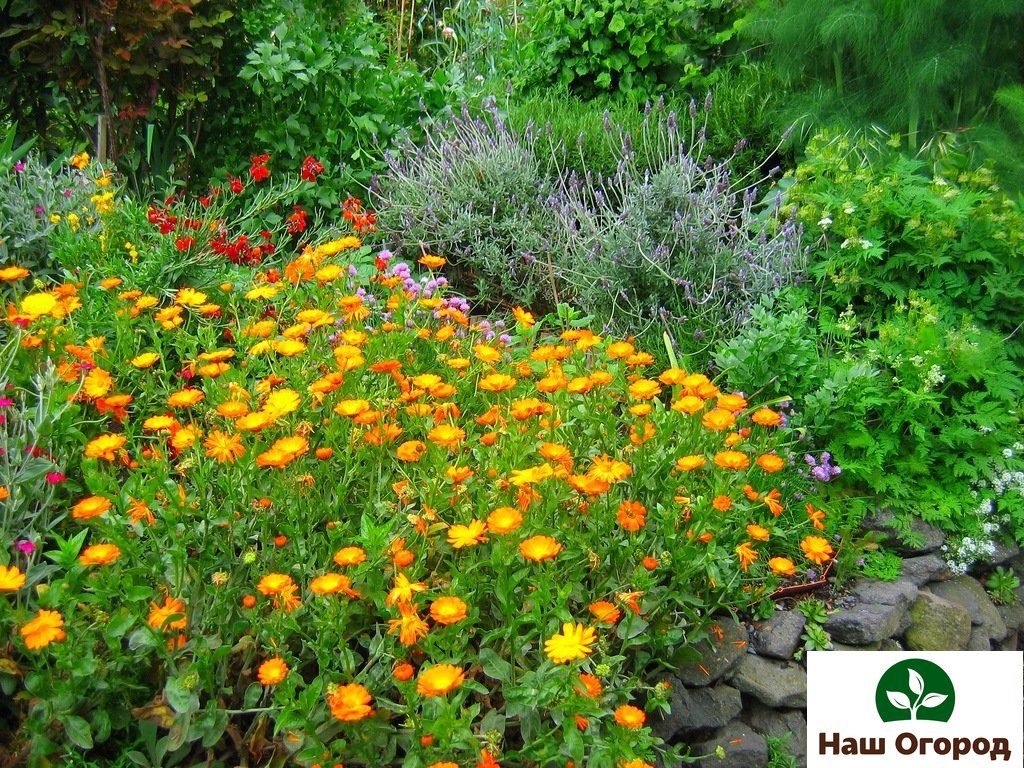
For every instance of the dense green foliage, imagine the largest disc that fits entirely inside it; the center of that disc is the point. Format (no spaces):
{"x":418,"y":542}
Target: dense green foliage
{"x":628,"y":46}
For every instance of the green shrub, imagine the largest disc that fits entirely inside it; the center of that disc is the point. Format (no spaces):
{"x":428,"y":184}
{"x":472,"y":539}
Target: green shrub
{"x":886,"y":225}
{"x":632,"y":46}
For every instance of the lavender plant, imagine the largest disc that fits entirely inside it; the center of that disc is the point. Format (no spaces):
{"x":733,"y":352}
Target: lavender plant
{"x":672,"y":242}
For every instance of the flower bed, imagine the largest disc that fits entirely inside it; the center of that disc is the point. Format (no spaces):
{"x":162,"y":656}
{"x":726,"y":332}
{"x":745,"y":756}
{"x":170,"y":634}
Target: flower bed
{"x":325,"y":512}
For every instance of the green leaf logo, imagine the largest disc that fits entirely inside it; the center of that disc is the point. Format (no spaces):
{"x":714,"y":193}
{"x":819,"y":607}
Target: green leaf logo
{"x":915,"y":689}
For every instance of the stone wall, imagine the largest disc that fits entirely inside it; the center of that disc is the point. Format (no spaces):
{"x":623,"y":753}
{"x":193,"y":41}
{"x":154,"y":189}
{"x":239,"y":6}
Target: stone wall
{"x":747,"y":685}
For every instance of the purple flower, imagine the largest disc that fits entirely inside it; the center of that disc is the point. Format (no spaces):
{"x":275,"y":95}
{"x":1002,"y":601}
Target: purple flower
{"x":19,"y":167}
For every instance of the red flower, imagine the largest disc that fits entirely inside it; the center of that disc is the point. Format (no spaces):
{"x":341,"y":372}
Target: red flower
{"x":184,"y":243}
{"x":297,"y":221}
{"x":236,"y":186}
{"x":258,"y":170}
{"x":310,"y":169}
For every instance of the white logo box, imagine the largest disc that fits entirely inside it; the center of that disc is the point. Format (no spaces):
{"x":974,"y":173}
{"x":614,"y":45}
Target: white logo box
{"x":986,"y":726}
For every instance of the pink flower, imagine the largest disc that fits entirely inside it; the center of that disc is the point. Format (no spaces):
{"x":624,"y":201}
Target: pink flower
{"x":25,"y":546}
{"x":5,"y":402}
{"x":55,"y":478}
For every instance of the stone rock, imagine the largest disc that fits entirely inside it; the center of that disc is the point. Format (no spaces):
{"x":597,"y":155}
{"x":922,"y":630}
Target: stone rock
{"x":780,"y":724}
{"x":779,"y":636}
{"x":920,"y":570}
{"x":1013,"y":614}
{"x":1010,"y":643}
{"x":937,"y":625}
{"x":717,"y":656}
{"x":972,"y":597}
{"x":889,"y":644}
{"x":1003,"y":553}
{"x":925,"y":538}
{"x":697,"y":711}
{"x":844,"y":647}
{"x":865,"y":623}
{"x":744,"y":747}
{"x":902,"y":593}
{"x":775,"y":683}
{"x":979,"y":640}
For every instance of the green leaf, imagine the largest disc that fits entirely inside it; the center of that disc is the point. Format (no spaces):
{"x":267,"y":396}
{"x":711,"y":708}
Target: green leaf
{"x":617,"y":24}
{"x":494,"y":666}
{"x":181,"y":700}
{"x":78,"y":731}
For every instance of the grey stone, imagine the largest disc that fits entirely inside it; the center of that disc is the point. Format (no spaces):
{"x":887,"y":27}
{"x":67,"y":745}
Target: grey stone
{"x":844,"y":647}
{"x":697,"y":711}
{"x":924,"y":537}
{"x":920,"y":570}
{"x":775,"y":683}
{"x":902,"y":593}
{"x":889,"y":644}
{"x":744,"y":747}
{"x":717,"y":656}
{"x":865,"y":623}
{"x":1013,"y":614}
{"x":778,"y":724}
{"x":937,"y":625}
{"x":972,"y":597}
{"x":1010,"y":643}
{"x":979,"y":640}
{"x":1003,"y":553}
{"x":779,"y":636}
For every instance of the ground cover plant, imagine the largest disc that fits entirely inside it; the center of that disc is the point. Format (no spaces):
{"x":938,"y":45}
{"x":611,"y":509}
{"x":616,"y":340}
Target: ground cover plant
{"x":254,"y":515}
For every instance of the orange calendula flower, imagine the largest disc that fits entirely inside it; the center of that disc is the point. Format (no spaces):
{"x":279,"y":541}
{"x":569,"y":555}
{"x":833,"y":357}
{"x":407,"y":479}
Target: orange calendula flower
{"x":347,"y":556}
{"x":47,"y":627}
{"x":403,"y":590}
{"x":145,"y":360}
{"x":771,"y":500}
{"x":90,"y":507}
{"x":185,"y":398}
{"x":766,"y":417}
{"x":448,"y":610}
{"x":446,"y":436}
{"x":731,"y":402}
{"x":690,"y":463}
{"x":99,"y":554}
{"x":104,"y":447}
{"x":722,"y":503}
{"x":439,"y":680}
{"x":539,"y":548}
{"x":605,"y":612}
{"x":332,"y":584}
{"x":770,"y":462}
{"x":496,"y":382}
{"x":523,"y":318}
{"x":283,"y":452}
{"x":632,"y":515}
{"x":11,"y":579}
{"x":816,"y":516}
{"x":630,"y":717}
{"x":170,"y":615}
{"x":408,"y":626}
{"x":350,"y":703}
{"x":746,"y":554}
{"x":460,"y":536}
{"x":574,"y":642}
{"x":757,"y":533}
{"x":718,"y":419}
{"x":732,"y":460}
{"x":224,"y":447}
{"x":504,"y":520}
{"x":816,"y":549}
{"x":644,"y":389}
{"x":591,"y":685}
{"x":782,"y":566}
{"x":411,"y":451}
{"x":274,"y":584}
{"x":272,"y":671}
{"x":610,"y":470}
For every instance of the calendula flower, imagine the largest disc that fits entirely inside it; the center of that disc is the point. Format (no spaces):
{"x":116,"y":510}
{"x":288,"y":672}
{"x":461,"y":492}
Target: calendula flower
{"x":350,"y":703}
{"x":630,"y":717}
{"x":90,"y":507}
{"x":224,"y":447}
{"x":539,"y":548}
{"x":411,"y":451}
{"x":439,"y":680}
{"x":332,"y":584}
{"x":732,"y":460}
{"x":504,"y":520}
{"x":461,"y":536}
{"x":591,"y":685}
{"x":766,"y":417}
{"x":274,"y":584}
{"x":746,"y":554}
{"x":403,"y":590}
{"x":448,"y":610}
{"x":632,"y":516}
{"x":574,"y":642}
{"x":348,"y":556}
{"x":104,"y":447}
{"x":11,"y":579}
{"x":145,"y":360}
{"x":170,"y":615}
{"x":99,"y":554}
{"x":718,"y":419}
{"x":783,"y":566}
{"x":496,"y":382}
{"x":45,"y":628}
{"x":605,"y":612}
{"x":610,"y":470}
{"x":272,"y":671}
{"x":816,"y":516}
{"x":770,"y":462}
{"x":757,"y":533}
{"x":446,"y":436}
{"x":816,"y":549}
{"x":690,"y":463}
{"x":408,"y":626}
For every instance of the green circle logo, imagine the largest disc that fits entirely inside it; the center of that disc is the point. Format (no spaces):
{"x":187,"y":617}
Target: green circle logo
{"x":915,"y":689}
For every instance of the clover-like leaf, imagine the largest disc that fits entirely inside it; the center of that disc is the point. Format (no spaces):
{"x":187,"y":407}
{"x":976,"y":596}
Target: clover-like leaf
{"x":898,"y":699}
{"x":916,"y":683}
{"x":933,"y":700}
